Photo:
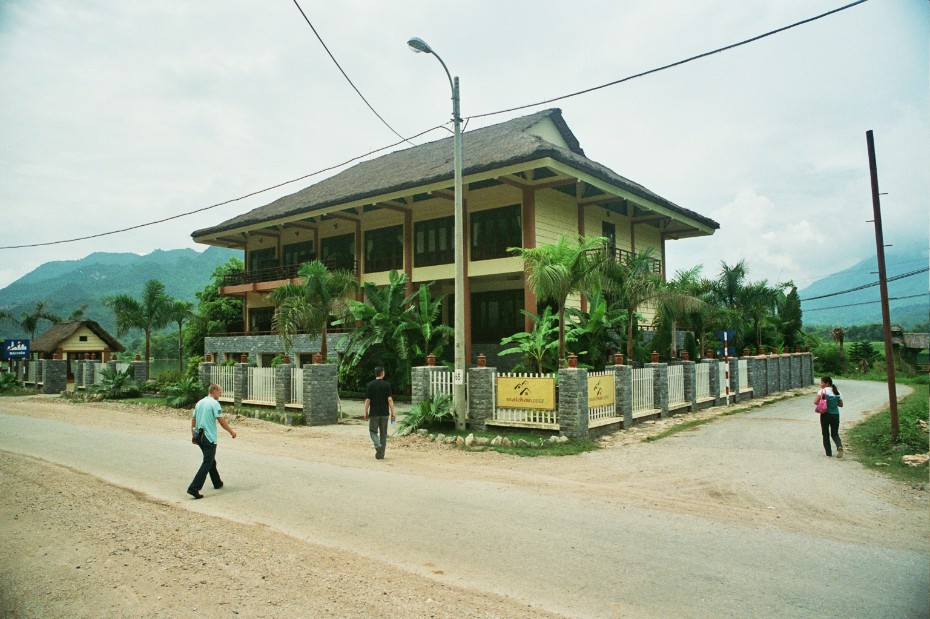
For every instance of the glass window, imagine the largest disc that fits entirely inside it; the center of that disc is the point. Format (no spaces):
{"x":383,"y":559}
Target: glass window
{"x":495,"y":315}
{"x":384,"y":249}
{"x":298,"y":253}
{"x":262,"y":259}
{"x":260,"y":319}
{"x":609,"y":232}
{"x":338,"y":252}
{"x":433,"y":242}
{"x":494,"y":230}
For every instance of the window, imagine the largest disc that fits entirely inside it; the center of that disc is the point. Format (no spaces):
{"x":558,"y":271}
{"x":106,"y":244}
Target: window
{"x":338,"y":252}
{"x":609,"y":232}
{"x":298,"y":253}
{"x":384,"y":249}
{"x":493,"y":231}
{"x":262,"y":259}
{"x":495,"y":315}
{"x":260,"y":319}
{"x":82,"y":338}
{"x":433,"y":242}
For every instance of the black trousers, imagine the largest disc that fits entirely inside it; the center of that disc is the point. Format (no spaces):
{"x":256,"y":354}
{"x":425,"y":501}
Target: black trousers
{"x":830,"y":428}
{"x":208,"y":466}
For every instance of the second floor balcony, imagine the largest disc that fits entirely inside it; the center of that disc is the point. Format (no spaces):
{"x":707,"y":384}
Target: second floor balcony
{"x":280,"y":273}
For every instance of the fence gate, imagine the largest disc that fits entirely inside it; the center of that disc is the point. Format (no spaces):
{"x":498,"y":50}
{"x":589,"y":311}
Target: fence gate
{"x":643,"y":392}
{"x":676,"y":386}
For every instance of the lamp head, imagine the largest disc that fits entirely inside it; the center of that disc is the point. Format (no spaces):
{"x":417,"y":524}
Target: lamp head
{"x":419,"y":45}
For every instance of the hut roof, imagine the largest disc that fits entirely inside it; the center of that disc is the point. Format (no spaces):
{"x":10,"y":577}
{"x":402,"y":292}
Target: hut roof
{"x":49,"y":341}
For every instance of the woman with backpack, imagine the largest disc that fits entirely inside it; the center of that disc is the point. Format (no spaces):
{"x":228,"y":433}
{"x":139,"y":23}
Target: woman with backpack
{"x":830,"y":418}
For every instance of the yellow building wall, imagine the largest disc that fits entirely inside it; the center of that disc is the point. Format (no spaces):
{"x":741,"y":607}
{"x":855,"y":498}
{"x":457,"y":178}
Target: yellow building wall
{"x":74,"y":343}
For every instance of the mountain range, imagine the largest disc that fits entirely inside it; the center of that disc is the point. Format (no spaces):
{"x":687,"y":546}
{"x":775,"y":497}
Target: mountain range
{"x":66,"y":285}
{"x":69,"y":284}
{"x":853,"y":297}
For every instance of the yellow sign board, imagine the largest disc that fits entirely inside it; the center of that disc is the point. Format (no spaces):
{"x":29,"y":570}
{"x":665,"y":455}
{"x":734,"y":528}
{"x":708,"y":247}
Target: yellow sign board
{"x":523,"y":392}
{"x":600,"y":390}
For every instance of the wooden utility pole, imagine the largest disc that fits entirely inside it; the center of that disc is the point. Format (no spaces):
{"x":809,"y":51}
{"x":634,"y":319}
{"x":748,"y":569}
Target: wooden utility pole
{"x":883,"y":286}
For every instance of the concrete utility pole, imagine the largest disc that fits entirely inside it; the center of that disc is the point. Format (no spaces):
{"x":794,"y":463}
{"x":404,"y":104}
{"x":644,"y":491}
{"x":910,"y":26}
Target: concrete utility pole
{"x":883,"y":286}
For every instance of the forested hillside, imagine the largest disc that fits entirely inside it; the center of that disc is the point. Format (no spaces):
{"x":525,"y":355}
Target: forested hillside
{"x":67,"y":285}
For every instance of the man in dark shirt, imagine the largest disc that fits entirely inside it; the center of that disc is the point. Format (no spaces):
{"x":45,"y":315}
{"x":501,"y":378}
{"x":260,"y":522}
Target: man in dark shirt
{"x":379,"y":403}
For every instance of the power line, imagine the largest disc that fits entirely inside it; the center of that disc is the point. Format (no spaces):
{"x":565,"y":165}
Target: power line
{"x":674,"y":64}
{"x":813,"y":278}
{"x":863,"y":286}
{"x":403,"y":139}
{"x":212,"y":206}
{"x":910,"y":296}
{"x":338,"y":66}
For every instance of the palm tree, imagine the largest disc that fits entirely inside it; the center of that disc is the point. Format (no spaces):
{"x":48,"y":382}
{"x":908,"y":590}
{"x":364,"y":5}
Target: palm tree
{"x":78,"y":313}
{"x":179,"y":311}
{"x":556,"y":271}
{"x":148,"y":314}
{"x":308,"y":306}
{"x":383,"y":326}
{"x":632,"y":283}
{"x":594,"y":331}
{"x":758,"y":301}
{"x":30,"y":321}
{"x":8,"y":316}
{"x":839,"y":336}
{"x":678,"y":299}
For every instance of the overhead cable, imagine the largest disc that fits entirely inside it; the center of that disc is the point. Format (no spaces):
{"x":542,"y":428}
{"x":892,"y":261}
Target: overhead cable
{"x":863,"y":286}
{"x":338,"y":66}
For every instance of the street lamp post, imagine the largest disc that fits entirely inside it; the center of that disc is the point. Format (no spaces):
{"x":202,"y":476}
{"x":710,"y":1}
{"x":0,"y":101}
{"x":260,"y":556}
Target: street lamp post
{"x":458,"y":380}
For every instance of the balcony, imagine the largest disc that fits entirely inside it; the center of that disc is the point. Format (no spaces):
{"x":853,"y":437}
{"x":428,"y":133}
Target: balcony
{"x":622,"y":255}
{"x":278,"y":273}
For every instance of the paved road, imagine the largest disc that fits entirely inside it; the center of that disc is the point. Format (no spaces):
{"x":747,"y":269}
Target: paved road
{"x":595,"y":554}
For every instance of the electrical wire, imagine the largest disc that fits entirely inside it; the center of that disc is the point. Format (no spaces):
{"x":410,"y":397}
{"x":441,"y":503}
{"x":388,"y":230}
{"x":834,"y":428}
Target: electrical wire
{"x":338,"y":66}
{"x":671,"y":65}
{"x":863,"y":286}
{"x":910,"y":296}
{"x":223,"y":203}
{"x":403,"y":139}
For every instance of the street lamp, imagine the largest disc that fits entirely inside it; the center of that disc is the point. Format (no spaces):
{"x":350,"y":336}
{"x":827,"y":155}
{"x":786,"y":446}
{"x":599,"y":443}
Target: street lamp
{"x":458,"y":380}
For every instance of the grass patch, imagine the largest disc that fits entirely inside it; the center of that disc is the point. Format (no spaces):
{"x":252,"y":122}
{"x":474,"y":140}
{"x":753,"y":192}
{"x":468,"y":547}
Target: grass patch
{"x":871,"y":439}
{"x":18,"y":391}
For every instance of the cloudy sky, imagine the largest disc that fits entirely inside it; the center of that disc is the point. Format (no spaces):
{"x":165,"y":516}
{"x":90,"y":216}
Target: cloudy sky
{"x":114,"y":113}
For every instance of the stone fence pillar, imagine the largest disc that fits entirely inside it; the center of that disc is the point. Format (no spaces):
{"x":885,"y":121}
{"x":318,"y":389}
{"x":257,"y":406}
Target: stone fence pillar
{"x":241,"y":382}
{"x":89,"y":367}
{"x":690,"y":374}
{"x":54,"y":375}
{"x":480,"y":397}
{"x":758,"y":376}
{"x":205,"y":372}
{"x":794,"y":361}
{"x":807,"y":369}
{"x":771,"y":373}
{"x":573,"y":402}
{"x":77,"y":368}
{"x":282,"y":385}
{"x":139,"y":371}
{"x":659,"y":387}
{"x":321,"y":385}
{"x":624,"y":395}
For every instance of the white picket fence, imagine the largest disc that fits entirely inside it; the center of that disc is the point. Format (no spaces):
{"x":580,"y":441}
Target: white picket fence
{"x":526,"y":417}
{"x":222,"y":375}
{"x":643,"y":392}
{"x":122,"y":367}
{"x":296,"y":397}
{"x":97,"y":368}
{"x":260,"y":386}
{"x":31,"y":372}
{"x":607,"y":411}
{"x":440,"y":383}
{"x":743,"y":375}
{"x":676,"y":386}
{"x":702,"y":382}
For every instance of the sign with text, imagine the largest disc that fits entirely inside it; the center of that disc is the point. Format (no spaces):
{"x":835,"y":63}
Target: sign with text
{"x":601,"y":390}
{"x":15,"y":349}
{"x":526,"y":392}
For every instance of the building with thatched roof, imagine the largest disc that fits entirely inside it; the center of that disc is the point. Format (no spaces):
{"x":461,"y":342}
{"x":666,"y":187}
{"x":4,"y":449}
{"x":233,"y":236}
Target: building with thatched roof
{"x":526,"y":182}
{"x":73,"y":339}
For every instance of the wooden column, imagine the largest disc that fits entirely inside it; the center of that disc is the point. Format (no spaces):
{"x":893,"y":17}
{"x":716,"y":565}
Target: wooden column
{"x":408,"y":250}
{"x":529,"y":242}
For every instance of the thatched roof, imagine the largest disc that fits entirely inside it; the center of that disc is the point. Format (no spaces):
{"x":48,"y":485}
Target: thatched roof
{"x":497,"y":146}
{"x":50,"y":340}
{"x":917,"y":341}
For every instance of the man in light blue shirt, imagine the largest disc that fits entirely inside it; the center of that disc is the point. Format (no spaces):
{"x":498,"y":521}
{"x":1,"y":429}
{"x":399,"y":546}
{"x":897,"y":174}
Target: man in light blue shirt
{"x":207,"y":413}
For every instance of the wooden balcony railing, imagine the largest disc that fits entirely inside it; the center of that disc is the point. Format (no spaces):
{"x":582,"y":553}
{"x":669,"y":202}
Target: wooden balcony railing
{"x":622,"y":255}
{"x":281,"y":272}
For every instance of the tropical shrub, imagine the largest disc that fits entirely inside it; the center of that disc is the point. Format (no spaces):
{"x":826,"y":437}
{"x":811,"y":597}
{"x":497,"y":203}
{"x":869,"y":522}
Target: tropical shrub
{"x":434,"y":410}
{"x":828,"y":360}
{"x":538,"y":349}
{"x":184,"y":392}
{"x":8,"y":382}
{"x":114,"y":384}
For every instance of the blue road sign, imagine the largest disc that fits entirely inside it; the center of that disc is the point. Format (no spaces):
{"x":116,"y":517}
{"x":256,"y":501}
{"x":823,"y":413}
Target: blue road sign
{"x":15,"y":349}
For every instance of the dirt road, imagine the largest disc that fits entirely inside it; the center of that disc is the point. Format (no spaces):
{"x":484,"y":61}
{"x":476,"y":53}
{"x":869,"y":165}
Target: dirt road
{"x":741,"y":517}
